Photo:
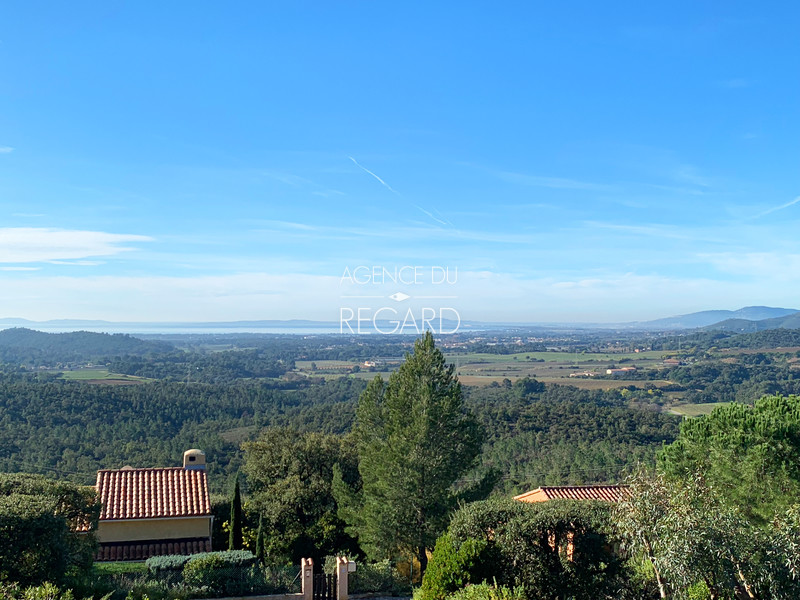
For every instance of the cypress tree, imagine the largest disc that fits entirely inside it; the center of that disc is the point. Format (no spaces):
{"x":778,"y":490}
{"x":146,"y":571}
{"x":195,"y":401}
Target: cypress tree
{"x":235,"y":534}
{"x":260,"y":539}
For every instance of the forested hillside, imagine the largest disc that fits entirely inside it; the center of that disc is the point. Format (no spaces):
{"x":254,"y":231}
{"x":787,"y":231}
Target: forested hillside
{"x":565,"y":435}
{"x":215,"y":392}
{"x":76,"y":428}
{"x":706,"y":340}
{"x":33,"y":348}
{"x":209,"y":367}
{"x":558,"y":435}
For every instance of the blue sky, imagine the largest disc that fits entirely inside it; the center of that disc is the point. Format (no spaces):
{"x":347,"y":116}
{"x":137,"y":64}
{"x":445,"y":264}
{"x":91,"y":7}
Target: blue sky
{"x":576,"y":161}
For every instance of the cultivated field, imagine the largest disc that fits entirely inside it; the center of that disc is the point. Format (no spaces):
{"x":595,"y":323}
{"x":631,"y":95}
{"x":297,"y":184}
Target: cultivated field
{"x":101,"y":376}
{"x":696,"y":410}
{"x":550,"y":367}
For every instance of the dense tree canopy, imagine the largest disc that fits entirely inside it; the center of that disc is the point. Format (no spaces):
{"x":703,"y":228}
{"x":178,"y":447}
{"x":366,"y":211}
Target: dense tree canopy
{"x":45,"y":528}
{"x":289,"y":476}
{"x":554,"y":550}
{"x":750,"y":454}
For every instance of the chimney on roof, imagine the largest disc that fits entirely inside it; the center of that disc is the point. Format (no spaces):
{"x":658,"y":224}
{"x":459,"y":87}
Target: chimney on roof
{"x":194,"y":459}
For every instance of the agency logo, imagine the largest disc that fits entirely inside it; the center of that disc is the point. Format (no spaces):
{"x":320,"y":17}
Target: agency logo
{"x":396,"y":300}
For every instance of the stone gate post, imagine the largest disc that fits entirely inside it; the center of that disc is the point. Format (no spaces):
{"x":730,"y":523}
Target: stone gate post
{"x":307,"y":578}
{"x":341,"y":577}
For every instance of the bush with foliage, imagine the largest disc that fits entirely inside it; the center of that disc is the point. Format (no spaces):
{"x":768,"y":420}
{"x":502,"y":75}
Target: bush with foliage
{"x":45,"y":591}
{"x":231,"y":573}
{"x":176,"y":562}
{"x":454,"y":566}
{"x":376,"y":577}
{"x":210,"y":571}
{"x":289,"y":476}
{"x":166,"y":564}
{"x":40,"y":519}
{"x":485,"y":591}
{"x":552,"y":550}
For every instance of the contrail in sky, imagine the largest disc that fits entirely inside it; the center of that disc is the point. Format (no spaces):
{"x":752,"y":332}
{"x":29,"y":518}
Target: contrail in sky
{"x":386,"y":185}
{"x":432,"y":217}
{"x":441,"y":221}
{"x":777,"y":208}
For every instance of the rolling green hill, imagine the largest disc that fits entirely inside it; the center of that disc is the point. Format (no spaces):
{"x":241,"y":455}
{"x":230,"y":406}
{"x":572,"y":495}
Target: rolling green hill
{"x":791,"y":321}
{"x":23,"y":346}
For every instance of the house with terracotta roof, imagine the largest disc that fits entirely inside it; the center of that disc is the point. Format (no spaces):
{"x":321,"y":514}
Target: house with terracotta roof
{"x":607,"y":493}
{"x":151,"y":512}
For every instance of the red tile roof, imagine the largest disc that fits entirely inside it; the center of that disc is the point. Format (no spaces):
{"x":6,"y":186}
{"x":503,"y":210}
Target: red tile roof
{"x":609,"y":493}
{"x":144,"y":550}
{"x":153,"y":493}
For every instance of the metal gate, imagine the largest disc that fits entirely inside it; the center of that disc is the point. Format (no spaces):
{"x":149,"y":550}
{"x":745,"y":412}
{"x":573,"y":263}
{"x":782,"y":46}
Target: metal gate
{"x":324,"y":587}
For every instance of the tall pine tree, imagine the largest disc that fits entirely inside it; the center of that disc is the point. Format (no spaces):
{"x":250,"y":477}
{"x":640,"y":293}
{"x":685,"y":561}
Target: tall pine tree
{"x":415,"y":441}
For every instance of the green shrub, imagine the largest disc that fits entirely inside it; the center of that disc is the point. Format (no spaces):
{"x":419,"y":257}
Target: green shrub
{"x":377,"y":577}
{"x":39,"y":523}
{"x":33,"y":540}
{"x":484,"y":591}
{"x":452,"y":566}
{"x":231,"y":573}
{"x":46,"y":591}
{"x":209,"y":571}
{"x":176,"y":562}
{"x":112,"y":568}
{"x":232,"y":558}
{"x":329,"y":564}
{"x":698,"y":591}
{"x":171,"y":562}
{"x":555,"y":549}
{"x":280,"y":579}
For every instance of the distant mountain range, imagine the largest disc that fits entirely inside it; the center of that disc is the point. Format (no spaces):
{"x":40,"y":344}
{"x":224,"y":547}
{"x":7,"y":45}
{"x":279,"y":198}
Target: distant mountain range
{"x":791,"y":321}
{"x":750,"y":318}
{"x":712,"y":319}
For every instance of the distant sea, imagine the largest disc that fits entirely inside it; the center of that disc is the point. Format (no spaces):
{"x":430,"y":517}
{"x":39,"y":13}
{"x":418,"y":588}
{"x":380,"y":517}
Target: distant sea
{"x":289,"y":328}
{"x":151,"y":329}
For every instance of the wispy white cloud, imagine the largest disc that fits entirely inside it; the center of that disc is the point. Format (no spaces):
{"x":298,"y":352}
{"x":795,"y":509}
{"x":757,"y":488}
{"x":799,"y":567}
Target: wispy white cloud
{"x":290,"y":225}
{"x":421,"y":231}
{"x":780,"y":266}
{"x":168,"y":298}
{"x":624,"y":297}
{"x":556,"y":183}
{"x":477,"y":295}
{"x":658,"y":231}
{"x":6,"y":149}
{"x":29,"y":244}
{"x":20,"y":268}
{"x":777,"y":208}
